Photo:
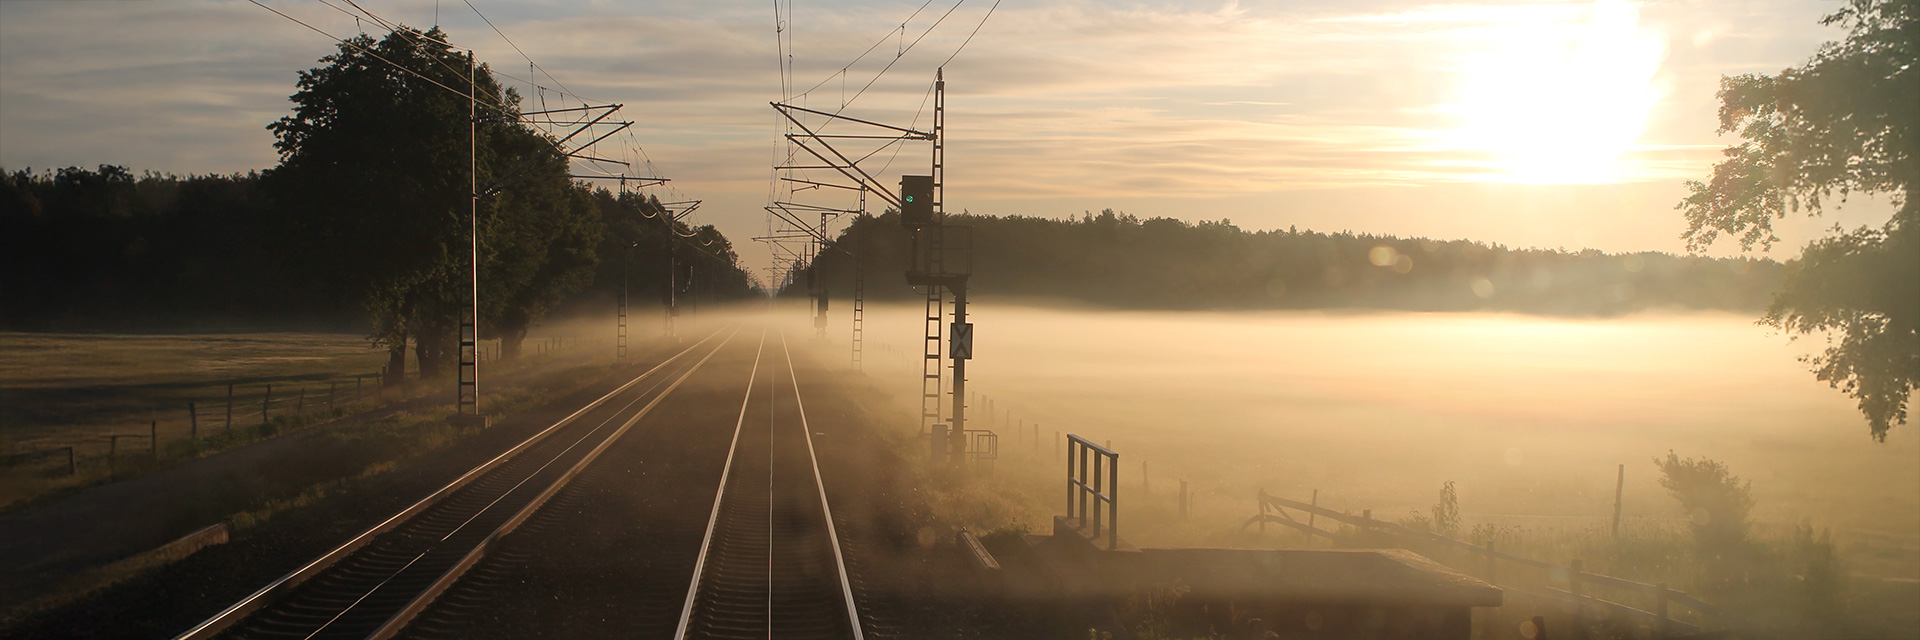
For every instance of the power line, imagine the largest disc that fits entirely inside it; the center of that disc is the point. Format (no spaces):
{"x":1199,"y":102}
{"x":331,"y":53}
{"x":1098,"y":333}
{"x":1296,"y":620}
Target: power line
{"x":903,"y":54}
{"x":976,"y":30}
{"x":364,"y":50}
{"x":415,"y":37}
{"x":876,"y":45}
{"x":523,"y":54}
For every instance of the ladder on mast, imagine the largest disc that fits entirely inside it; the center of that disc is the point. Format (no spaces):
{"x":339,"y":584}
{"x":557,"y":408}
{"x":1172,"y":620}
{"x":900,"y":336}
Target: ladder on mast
{"x":932,"y":368}
{"x":859,"y":314}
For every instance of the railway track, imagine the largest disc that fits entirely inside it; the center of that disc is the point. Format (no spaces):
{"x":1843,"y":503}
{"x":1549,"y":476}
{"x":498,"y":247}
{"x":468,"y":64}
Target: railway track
{"x":373,"y":585}
{"x":771,"y":563}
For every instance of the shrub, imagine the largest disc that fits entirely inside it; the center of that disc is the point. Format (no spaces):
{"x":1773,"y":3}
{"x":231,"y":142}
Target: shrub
{"x":1718,"y":501}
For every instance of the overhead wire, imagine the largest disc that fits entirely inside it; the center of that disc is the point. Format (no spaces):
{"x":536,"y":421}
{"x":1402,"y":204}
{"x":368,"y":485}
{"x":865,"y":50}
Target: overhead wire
{"x":903,"y":54}
{"x":491,"y":101}
{"x":415,"y":36}
{"x":523,"y":54}
{"x":876,"y":44}
{"x":364,"y":50}
{"x":783,"y":36}
{"x":564,"y":91}
{"x":976,"y":31}
{"x":531,"y":63}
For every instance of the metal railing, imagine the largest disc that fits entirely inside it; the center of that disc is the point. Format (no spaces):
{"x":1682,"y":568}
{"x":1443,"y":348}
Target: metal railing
{"x":1102,"y":485}
{"x":982,"y":444}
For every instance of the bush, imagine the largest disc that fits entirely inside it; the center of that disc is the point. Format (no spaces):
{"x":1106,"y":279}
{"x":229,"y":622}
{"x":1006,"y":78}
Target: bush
{"x":1718,"y":501}
{"x":1445,"y":518}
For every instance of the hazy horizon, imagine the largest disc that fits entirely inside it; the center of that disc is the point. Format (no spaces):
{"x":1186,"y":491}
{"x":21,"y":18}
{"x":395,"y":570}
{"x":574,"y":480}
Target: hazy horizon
{"x":1556,"y":124}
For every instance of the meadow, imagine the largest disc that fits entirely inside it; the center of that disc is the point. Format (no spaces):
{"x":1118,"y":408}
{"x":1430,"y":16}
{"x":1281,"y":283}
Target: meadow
{"x":1530,"y":417}
{"x":79,"y":390}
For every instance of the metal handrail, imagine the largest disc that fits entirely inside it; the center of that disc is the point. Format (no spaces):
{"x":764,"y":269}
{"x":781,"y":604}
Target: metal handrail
{"x":982,"y":444}
{"x":1104,"y":488}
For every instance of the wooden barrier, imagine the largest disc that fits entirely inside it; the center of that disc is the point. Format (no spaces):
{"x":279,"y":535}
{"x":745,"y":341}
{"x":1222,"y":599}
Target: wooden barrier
{"x":1273,"y":509}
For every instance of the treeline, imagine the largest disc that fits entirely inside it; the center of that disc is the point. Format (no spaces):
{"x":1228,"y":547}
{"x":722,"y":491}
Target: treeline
{"x":108,"y":250}
{"x":387,"y":183}
{"x":1115,"y":259}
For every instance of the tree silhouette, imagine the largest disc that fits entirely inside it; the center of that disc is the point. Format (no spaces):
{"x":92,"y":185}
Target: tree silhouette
{"x":1115,"y":259}
{"x":374,"y":161}
{"x":1847,"y":121}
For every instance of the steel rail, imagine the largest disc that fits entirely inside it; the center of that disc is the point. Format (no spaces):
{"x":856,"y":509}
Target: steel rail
{"x":746,"y":548}
{"x":713,"y":520}
{"x":393,"y":626}
{"x":286,"y":583}
{"x":833,"y":536}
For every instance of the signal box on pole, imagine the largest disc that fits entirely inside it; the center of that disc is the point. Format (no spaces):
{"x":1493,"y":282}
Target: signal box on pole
{"x":916,"y":201}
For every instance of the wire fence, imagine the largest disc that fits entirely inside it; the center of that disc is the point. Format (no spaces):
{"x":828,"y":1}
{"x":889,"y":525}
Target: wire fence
{"x":220,"y":415}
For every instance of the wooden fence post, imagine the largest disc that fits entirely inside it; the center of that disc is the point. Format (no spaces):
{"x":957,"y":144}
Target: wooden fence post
{"x":301,"y":407}
{"x":229,"y":425}
{"x":1261,"y":499}
{"x":264,"y":402}
{"x":1315,"y":501}
{"x":1183,"y":500}
{"x":356,"y":387}
{"x":71,"y":469}
{"x":153,"y":439}
{"x":193,"y":424}
{"x":1619,"y":484}
{"x":329,"y":396}
{"x":1493,"y":576}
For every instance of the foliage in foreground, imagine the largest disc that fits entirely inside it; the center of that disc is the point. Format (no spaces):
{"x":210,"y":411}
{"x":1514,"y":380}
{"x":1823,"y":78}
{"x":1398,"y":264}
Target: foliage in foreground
{"x":1847,"y":121}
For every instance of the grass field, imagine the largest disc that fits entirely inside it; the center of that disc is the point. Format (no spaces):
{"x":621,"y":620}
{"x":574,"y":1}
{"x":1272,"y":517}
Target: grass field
{"x":1532,"y":417}
{"x":62,"y":389}
{"x":79,"y":390}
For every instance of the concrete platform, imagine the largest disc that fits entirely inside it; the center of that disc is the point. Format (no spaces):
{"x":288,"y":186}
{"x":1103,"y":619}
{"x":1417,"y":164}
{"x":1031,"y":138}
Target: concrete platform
{"x":1379,"y":576}
{"x":1288,"y":593}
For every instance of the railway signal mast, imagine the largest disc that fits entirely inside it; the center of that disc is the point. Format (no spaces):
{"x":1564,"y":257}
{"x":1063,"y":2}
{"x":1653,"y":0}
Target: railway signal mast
{"x":940,"y":259}
{"x":939,"y":263}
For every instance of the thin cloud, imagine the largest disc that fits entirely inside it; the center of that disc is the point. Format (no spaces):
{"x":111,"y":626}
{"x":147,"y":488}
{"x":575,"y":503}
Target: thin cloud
{"x":1053,"y":98}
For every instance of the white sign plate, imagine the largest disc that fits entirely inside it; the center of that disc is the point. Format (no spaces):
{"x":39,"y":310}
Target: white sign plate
{"x":962,"y":346}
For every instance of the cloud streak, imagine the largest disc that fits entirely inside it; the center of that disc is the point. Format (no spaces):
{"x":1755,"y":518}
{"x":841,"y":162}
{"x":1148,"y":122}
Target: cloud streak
{"x":1053,"y":101}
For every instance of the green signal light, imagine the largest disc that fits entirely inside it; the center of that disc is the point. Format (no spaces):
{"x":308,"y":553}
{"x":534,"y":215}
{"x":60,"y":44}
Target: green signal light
{"x":909,"y":198}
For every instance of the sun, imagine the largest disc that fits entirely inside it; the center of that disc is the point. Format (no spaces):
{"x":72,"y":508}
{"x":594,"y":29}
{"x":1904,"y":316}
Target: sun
{"x":1555,"y":99}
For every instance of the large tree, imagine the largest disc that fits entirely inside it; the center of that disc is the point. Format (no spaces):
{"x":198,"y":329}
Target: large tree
{"x":375,"y":170}
{"x":1845,"y":122}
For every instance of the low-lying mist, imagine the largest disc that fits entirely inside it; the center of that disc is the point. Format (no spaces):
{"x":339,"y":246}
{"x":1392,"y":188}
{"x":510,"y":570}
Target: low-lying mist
{"x":1530,"y":416}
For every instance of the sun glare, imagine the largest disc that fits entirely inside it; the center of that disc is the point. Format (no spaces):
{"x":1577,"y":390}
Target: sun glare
{"x":1560,"y":101}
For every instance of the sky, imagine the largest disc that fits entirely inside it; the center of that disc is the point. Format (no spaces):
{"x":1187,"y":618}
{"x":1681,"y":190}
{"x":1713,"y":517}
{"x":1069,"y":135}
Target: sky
{"x":1531,"y":124}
